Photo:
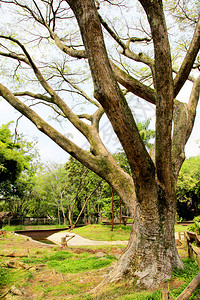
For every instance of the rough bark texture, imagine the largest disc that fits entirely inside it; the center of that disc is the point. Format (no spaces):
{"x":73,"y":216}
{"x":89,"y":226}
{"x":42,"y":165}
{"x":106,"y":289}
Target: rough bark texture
{"x":151,"y":253}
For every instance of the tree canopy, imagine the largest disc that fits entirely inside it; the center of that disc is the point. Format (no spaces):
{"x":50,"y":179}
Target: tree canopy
{"x":85,"y":59}
{"x":12,"y":160}
{"x":18,"y":159}
{"x":188,"y":189}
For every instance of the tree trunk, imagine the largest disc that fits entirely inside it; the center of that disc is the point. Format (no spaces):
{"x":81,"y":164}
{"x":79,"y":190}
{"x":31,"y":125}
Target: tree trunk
{"x":70,"y":216}
{"x":151,"y":254}
{"x":58,"y":215}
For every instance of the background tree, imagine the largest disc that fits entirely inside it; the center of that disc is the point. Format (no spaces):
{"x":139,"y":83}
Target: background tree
{"x":188,"y":189}
{"x":12,"y":160}
{"x":114,"y":53}
{"x":18,"y":160}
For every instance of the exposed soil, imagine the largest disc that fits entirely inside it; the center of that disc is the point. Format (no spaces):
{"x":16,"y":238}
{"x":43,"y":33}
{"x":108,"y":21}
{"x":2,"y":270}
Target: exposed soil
{"x":43,"y":282}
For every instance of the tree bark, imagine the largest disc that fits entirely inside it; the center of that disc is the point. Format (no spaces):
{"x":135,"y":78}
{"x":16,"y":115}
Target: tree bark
{"x":151,"y":254}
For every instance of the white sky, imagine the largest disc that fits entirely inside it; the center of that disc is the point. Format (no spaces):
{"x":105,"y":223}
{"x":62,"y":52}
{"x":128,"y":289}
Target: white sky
{"x":49,"y":151}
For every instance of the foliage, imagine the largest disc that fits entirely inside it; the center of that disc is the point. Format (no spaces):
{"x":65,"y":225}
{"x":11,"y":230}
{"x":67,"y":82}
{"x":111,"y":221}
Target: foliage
{"x":12,"y":160}
{"x":22,"y":157}
{"x":13,"y":228}
{"x":196,"y":225}
{"x":18,"y":159}
{"x":181,"y":228}
{"x":186,"y":275}
{"x":188,"y":189}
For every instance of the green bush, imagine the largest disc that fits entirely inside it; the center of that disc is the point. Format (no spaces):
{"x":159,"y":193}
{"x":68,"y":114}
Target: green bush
{"x":196,"y":225}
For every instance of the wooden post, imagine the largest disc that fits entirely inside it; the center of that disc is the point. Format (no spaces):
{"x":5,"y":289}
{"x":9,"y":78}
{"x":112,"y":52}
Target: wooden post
{"x":185,"y":295}
{"x":191,"y":253}
{"x":198,"y":261}
{"x":187,"y":242}
{"x":63,"y":242}
{"x":164,"y":295}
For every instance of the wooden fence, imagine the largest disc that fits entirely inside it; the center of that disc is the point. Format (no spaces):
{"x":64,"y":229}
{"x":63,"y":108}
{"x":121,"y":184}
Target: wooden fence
{"x":185,"y":295}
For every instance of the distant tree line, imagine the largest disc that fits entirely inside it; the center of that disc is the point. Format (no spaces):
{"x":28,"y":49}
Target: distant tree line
{"x":71,"y":193}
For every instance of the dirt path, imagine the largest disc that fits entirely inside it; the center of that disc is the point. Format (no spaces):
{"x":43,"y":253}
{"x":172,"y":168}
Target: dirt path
{"x":76,"y":240}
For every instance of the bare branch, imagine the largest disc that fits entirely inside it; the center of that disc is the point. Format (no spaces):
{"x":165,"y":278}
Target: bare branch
{"x":66,"y":49}
{"x":112,"y":33}
{"x":134,"y":86}
{"x":188,"y":61}
{"x":85,"y":116}
{"x":36,"y":96}
{"x":80,"y":91}
{"x":192,"y":105}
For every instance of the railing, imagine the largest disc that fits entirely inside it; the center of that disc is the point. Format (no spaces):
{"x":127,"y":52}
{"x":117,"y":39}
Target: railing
{"x":185,"y":295}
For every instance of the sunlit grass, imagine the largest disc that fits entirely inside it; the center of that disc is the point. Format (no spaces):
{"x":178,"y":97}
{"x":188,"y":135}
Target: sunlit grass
{"x":103,"y":232}
{"x":69,"y":262}
{"x":181,"y":228}
{"x":32,"y":227}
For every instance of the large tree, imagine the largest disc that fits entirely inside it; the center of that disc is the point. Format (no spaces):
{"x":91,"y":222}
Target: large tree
{"x":88,"y":41}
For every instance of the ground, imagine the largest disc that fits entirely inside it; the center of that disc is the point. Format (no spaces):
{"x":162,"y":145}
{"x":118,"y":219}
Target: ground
{"x":33,"y":278}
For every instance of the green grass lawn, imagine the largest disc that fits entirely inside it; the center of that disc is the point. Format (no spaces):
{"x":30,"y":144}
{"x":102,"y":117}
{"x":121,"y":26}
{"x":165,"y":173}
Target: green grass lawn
{"x":73,"y":273}
{"x":103,"y":232}
{"x":32,"y":227}
{"x":96,"y":232}
{"x":181,"y":228}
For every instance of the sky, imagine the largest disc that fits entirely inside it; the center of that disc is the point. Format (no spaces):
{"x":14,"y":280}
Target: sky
{"x":51,"y":152}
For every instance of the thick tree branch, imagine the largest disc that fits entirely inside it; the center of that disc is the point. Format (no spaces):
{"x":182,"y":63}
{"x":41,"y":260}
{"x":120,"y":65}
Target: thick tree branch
{"x":107,"y":91}
{"x":35,"y":96}
{"x":133,"y":85}
{"x":15,"y":56}
{"x":66,"y":49}
{"x":141,"y":57}
{"x":192,"y":106}
{"x":188,"y":61}
{"x":180,"y":119}
{"x":62,"y":141}
{"x":164,"y":89}
{"x":183,"y":117}
{"x":110,"y":170}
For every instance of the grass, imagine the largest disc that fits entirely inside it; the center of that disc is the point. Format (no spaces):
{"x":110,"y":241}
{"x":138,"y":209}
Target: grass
{"x":182,"y":277}
{"x":73,"y":273}
{"x":103,"y":232}
{"x":31,"y":227}
{"x":181,"y":228}
{"x":186,"y":275}
{"x":69,"y":262}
